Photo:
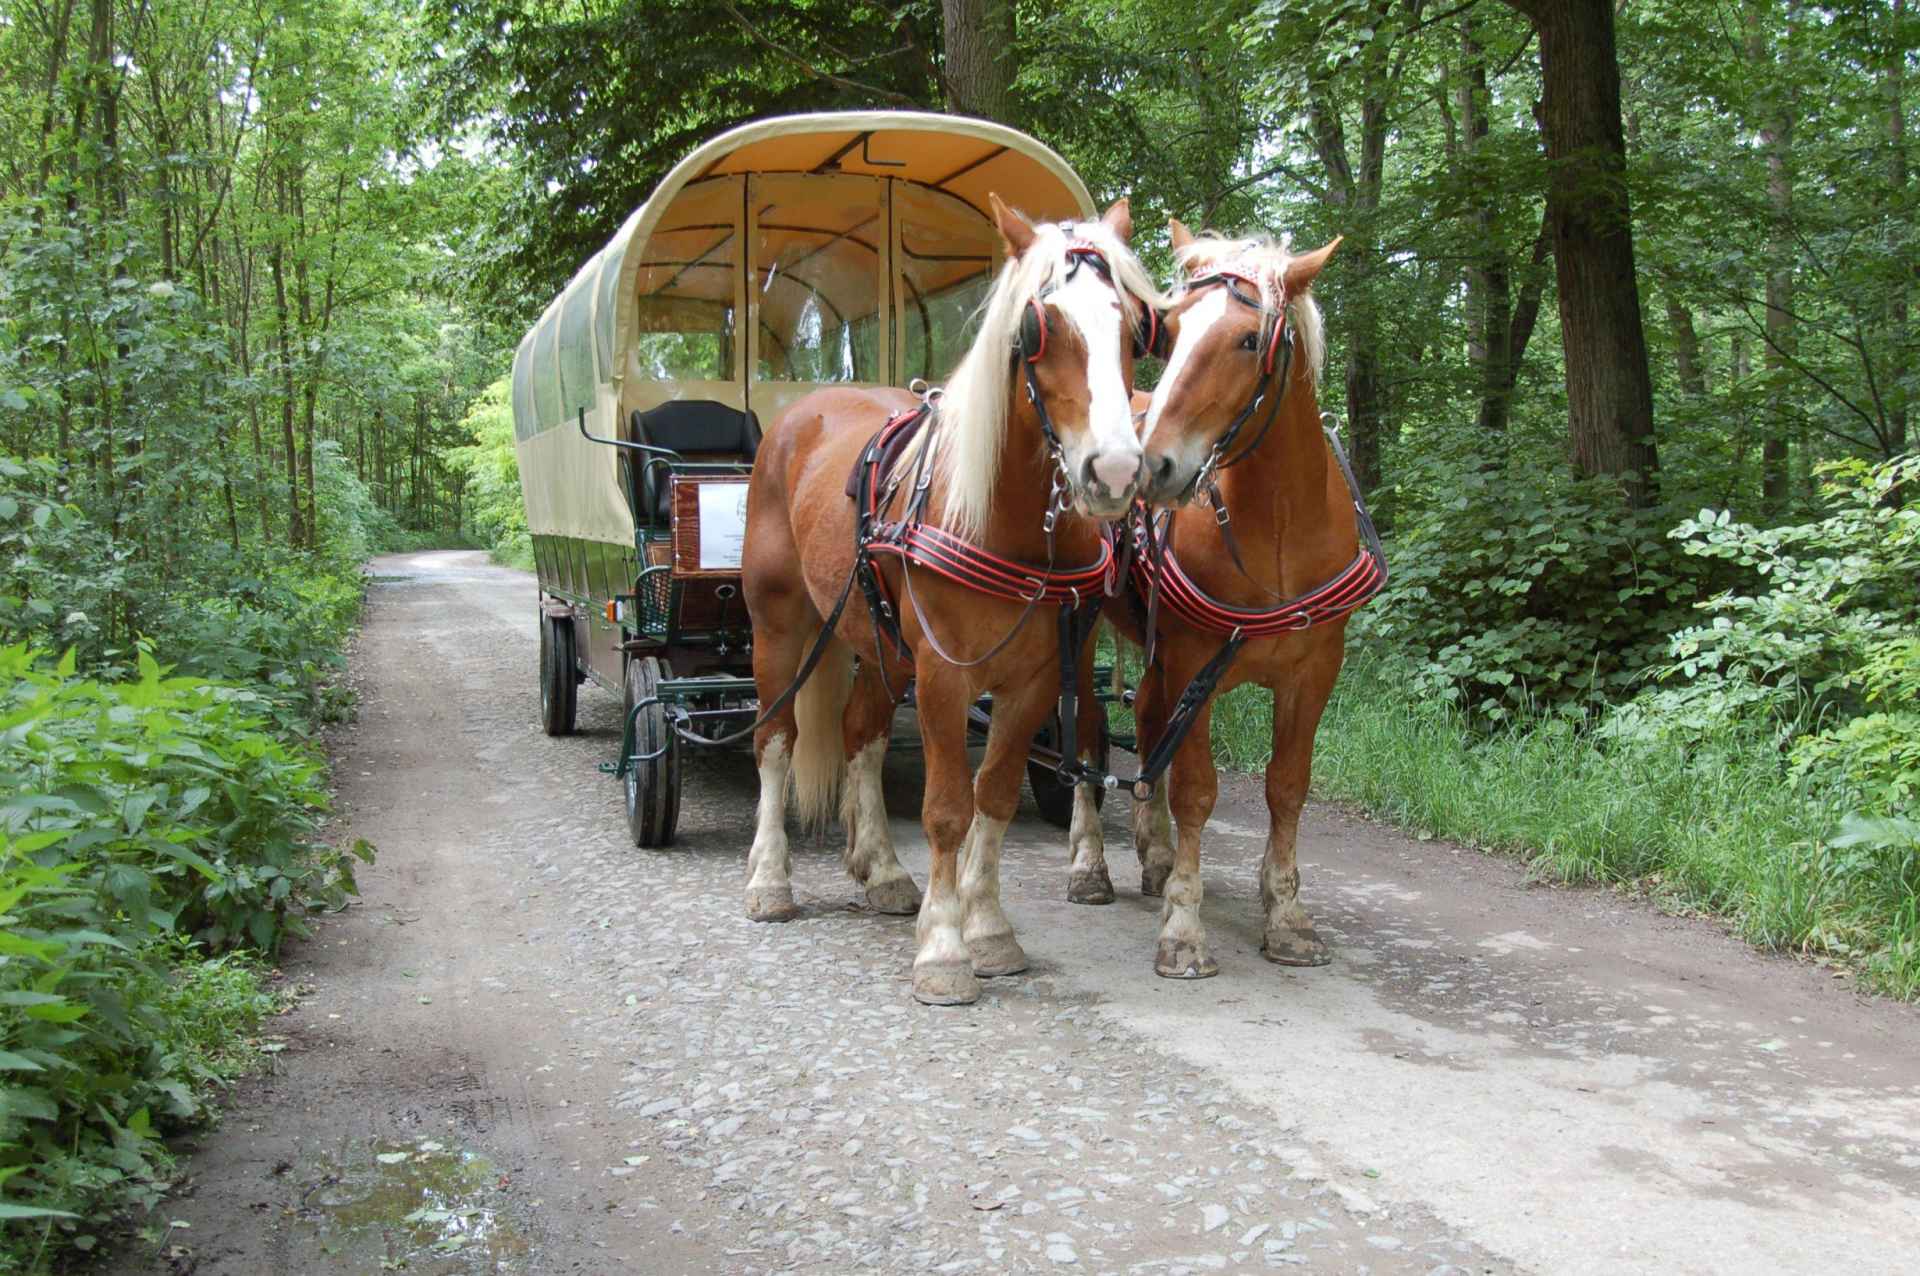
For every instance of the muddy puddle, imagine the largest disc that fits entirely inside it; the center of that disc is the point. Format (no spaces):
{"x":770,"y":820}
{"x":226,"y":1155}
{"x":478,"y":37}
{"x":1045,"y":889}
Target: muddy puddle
{"x":427,"y":1208}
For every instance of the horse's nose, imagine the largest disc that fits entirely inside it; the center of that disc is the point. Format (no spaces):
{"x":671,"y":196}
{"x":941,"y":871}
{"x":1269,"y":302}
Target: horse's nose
{"x":1115,"y":471}
{"x":1159,"y":467}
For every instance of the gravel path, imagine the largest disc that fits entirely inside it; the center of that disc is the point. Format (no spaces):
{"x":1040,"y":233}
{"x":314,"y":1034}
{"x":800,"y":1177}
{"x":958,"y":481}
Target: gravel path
{"x":587,"y":1059}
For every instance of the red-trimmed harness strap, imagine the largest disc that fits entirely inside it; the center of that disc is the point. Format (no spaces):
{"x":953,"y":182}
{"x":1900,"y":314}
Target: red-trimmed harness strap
{"x":920,"y":544}
{"x":1351,"y":588}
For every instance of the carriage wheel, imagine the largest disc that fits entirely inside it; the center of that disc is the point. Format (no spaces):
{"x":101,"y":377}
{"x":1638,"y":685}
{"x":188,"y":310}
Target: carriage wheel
{"x":653,"y":786}
{"x":1055,"y":799}
{"x":559,"y":683}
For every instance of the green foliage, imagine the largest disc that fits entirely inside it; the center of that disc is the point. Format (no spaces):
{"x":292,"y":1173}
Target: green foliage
{"x":496,"y":511}
{"x":1727,"y":826}
{"x":1817,"y":656}
{"x":1511,"y":594}
{"x":1825,"y":626}
{"x":138,"y":815}
{"x":594,"y":105}
{"x":1769,"y":775}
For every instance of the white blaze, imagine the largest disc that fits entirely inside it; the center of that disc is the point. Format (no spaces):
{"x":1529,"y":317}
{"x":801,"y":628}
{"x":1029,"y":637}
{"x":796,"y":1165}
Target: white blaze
{"x":1093,"y":307}
{"x":1195,"y":322}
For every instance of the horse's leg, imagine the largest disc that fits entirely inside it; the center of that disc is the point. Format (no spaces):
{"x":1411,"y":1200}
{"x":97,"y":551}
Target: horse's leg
{"x":1290,"y":938}
{"x":870,"y":858}
{"x":942,"y":969}
{"x":785,"y":625}
{"x":1152,"y":819}
{"x":1087,"y":879}
{"x":770,"y":862}
{"x":996,"y":793}
{"x":1182,"y":952}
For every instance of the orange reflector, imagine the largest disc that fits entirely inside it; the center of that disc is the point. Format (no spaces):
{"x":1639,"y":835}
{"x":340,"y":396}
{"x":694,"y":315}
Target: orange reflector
{"x":613,"y":616}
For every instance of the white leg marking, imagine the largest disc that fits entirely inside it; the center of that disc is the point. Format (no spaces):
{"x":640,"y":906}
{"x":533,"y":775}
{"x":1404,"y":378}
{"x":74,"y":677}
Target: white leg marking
{"x":1182,"y":953}
{"x":870,"y":858}
{"x":1085,"y":838}
{"x":988,"y":933}
{"x":942,"y":967}
{"x":1153,"y":830}
{"x":770,"y":862}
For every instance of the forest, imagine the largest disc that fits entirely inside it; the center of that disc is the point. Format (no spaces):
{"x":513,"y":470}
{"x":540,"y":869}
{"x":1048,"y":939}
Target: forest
{"x":1620,"y":335}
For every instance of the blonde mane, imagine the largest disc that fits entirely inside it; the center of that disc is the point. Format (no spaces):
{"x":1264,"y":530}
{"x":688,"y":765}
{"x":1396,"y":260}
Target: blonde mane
{"x":1265,"y":261}
{"x":973,"y":409}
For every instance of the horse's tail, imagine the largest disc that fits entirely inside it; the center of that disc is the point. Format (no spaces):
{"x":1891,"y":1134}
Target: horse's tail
{"x":820,"y":755}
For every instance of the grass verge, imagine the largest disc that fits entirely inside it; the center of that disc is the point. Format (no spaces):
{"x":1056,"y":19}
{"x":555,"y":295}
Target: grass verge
{"x":1723,"y":829}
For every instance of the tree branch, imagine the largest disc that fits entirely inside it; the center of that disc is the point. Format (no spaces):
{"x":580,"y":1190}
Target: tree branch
{"x":852,"y":86}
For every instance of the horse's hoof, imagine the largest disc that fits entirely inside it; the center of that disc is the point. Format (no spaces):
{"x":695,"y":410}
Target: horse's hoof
{"x":771,"y":904}
{"x":945,"y":983}
{"x":1302,"y":947}
{"x":997,"y":955}
{"x":1153,"y":879}
{"x":1179,"y":959}
{"x":899,"y":897}
{"x":1090,"y":886}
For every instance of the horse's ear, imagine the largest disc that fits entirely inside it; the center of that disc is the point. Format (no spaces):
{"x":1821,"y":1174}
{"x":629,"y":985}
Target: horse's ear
{"x":1119,"y":219}
{"x":1303,"y":270}
{"x":1177,"y":231}
{"x":1016,"y":230}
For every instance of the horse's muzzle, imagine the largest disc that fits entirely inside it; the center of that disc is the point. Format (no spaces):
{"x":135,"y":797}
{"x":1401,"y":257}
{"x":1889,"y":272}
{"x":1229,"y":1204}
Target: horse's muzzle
{"x":1166,"y":481}
{"x":1109,"y":481}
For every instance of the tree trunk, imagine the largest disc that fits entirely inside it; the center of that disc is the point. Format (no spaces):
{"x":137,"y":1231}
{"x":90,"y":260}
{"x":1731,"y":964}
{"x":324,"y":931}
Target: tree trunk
{"x":1686,"y":349}
{"x":1489,"y":285}
{"x":56,"y":63}
{"x":980,"y":63}
{"x":1897,"y":369}
{"x":1356,"y":192}
{"x":276,"y":264}
{"x":1776,"y":133}
{"x":1609,"y":390}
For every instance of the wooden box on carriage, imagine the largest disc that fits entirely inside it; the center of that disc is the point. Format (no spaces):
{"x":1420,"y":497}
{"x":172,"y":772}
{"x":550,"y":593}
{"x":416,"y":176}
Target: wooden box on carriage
{"x":709,"y":525}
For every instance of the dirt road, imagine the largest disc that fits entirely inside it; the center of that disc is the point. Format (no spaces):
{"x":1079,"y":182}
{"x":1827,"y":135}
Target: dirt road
{"x":533,"y":1048}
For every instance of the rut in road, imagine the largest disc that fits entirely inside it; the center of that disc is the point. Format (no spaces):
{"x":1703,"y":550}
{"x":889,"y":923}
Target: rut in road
{"x":1490,"y":1078}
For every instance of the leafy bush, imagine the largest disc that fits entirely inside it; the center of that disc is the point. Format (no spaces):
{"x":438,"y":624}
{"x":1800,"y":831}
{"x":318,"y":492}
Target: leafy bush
{"x":57,"y":570}
{"x":138,"y":814}
{"x":1516,"y":594}
{"x":1821,"y":641}
{"x":1817,"y":656}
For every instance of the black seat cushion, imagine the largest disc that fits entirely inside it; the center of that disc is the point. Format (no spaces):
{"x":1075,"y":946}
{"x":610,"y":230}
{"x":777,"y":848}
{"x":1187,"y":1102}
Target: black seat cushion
{"x":698,"y":429}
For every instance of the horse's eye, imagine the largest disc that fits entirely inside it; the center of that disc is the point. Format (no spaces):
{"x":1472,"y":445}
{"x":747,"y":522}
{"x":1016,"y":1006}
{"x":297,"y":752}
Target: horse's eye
{"x":1250,"y":342}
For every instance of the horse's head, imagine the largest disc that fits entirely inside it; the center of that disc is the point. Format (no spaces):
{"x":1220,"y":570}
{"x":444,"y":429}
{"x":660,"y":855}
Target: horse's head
{"x":1238,"y":320}
{"x":1080,"y":331}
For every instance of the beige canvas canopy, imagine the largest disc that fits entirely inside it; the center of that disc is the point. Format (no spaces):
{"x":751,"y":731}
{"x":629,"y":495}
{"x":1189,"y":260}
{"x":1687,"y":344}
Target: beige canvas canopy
{"x":807,"y":250}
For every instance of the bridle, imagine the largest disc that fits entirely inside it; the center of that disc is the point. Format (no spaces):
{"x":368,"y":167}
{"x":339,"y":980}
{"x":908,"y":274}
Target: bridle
{"x":1030,"y":340}
{"x":1276,"y":344}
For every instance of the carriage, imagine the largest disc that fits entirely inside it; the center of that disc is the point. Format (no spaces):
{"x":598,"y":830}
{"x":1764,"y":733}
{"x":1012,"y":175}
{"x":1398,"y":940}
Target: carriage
{"x":782,"y":256}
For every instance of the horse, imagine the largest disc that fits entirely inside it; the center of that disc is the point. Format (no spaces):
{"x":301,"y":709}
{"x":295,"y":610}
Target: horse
{"x":1235,"y":419}
{"x":1016,"y":467}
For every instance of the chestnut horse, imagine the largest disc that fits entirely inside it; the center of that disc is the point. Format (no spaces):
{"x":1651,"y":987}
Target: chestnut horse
{"x":1009,"y":450}
{"x":1293,"y":527}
